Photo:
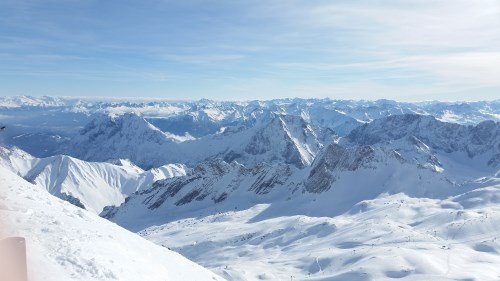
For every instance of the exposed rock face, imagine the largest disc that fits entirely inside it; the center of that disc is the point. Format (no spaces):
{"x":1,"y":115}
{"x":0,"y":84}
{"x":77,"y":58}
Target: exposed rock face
{"x":334,"y":159}
{"x":440,"y":136}
{"x":382,"y":145}
{"x":73,"y":200}
{"x":286,"y":137}
{"x":213,"y":182}
{"x":269,"y":177}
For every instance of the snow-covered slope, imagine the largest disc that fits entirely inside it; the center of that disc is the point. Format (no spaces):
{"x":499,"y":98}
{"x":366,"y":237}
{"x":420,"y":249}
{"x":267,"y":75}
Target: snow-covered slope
{"x":90,"y":185}
{"x":379,"y":218}
{"x":329,"y":221}
{"x":121,"y":137}
{"x":67,"y":243}
{"x":389,"y":237}
{"x":474,"y":141}
{"x":16,"y":160}
{"x":279,"y":138}
{"x":214,"y":184}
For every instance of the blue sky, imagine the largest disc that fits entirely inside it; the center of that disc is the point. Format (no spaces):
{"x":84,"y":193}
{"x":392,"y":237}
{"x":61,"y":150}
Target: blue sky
{"x":255,"y":49}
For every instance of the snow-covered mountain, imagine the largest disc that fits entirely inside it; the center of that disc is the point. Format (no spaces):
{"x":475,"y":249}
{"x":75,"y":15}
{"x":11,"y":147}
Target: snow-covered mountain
{"x":481,"y":140}
{"x":90,"y":185}
{"x":279,"y":138}
{"x":355,"y":180}
{"x":287,"y":138}
{"x":267,"y":223}
{"x":59,"y":119}
{"x":217,"y":185}
{"x":67,"y":243}
{"x":288,"y":189}
{"x":121,"y":137}
{"x":212,"y":185}
{"x":202,"y":117}
{"x":428,"y":152}
{"x":455,"y":151}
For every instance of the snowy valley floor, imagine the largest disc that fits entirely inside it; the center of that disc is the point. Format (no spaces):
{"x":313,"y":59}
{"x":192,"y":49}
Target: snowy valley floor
{"x":392,"y":236}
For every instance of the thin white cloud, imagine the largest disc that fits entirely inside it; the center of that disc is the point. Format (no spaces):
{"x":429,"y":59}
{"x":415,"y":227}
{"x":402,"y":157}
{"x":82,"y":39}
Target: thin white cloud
{"x":453,"y":43}
{"x":200,"y":59}
{"x":273,"y":48}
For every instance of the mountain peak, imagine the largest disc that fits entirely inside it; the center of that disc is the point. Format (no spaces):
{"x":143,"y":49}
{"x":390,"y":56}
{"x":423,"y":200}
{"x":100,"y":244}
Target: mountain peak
{"x":290,"y":136}
{"x":438,"y":135}
{"x":126,"y":136}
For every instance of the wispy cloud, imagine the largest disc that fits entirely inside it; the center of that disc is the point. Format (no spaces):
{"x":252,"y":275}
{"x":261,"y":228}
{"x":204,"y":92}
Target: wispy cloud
{"x":399,"y":49}
{"x":201,"y":59}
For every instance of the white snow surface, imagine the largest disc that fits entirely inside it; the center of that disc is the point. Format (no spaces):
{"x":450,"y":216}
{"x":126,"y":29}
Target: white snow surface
{"x":94,"y":185}
{"x":65,"y":242}
{"x":389,"y":237}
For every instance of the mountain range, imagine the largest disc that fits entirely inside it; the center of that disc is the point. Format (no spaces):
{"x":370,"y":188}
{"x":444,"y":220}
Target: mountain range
{"x":286,"y":189}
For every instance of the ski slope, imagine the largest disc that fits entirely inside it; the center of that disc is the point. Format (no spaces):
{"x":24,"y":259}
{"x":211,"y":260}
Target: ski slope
{"x":389,"y":237}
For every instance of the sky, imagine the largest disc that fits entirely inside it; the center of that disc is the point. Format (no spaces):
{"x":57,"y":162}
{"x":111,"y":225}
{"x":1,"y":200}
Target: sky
{"x":408,"y":50}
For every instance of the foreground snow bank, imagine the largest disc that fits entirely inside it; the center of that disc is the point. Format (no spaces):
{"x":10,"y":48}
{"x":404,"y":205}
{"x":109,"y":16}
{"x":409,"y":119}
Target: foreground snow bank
{"x":67,"y":243}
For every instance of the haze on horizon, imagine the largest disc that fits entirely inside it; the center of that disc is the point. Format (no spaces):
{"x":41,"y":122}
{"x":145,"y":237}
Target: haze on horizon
{"x":230,"y":50}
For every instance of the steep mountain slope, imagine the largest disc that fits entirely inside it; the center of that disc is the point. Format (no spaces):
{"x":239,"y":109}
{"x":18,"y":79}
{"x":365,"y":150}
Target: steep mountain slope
{"x":16,"y":160}
{"x":280,"y":138}
{"x":474,"y":141}
{"x":212,"y":185}
{"x":122,"y":137}
{"x":285,"y":137}
{"x":67,"y":243}
{"x":331,"y":118}
{"x":90,"y":185}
